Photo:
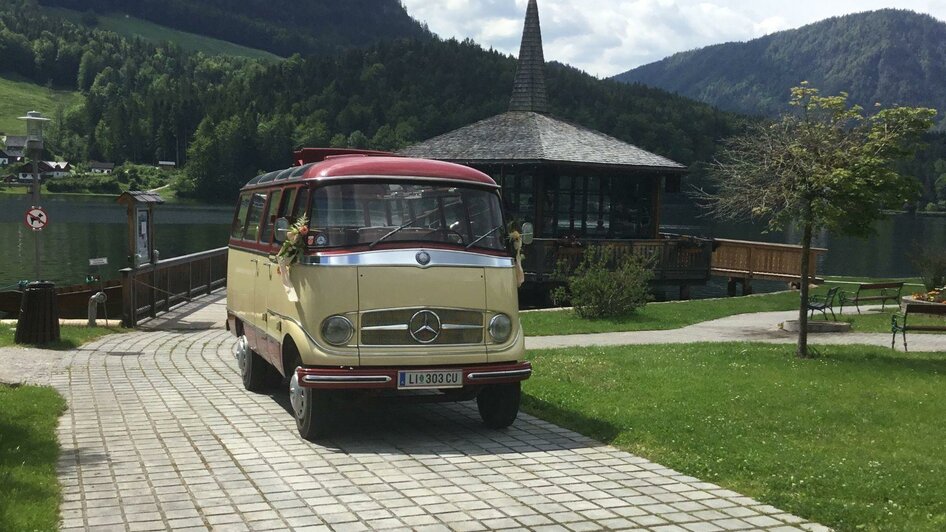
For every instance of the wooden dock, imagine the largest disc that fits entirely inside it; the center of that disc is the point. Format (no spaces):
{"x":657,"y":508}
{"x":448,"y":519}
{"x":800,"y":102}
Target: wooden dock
{"x":742,"y":261}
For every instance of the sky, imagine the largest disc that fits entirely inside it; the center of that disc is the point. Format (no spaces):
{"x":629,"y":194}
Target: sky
{"x":605,"y":38}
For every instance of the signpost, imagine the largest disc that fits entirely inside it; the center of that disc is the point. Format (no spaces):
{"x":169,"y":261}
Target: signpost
{"x":100,"y":298}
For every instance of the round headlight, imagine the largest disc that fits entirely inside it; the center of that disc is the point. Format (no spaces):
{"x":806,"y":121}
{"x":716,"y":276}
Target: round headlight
{"x":500,"y":327}
{"x":337,"y":330}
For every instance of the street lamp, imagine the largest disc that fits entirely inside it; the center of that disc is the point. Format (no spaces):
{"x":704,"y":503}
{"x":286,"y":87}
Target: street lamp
{"x":34,"y":144}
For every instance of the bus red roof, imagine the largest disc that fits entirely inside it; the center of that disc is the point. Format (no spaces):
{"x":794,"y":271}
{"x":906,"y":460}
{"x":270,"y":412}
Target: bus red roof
{"x":375,"y":166}
{"x":326,"y":164}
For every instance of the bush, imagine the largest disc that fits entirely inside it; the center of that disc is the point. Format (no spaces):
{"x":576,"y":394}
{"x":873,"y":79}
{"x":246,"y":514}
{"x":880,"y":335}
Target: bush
{"x":930,"y":262}
{"x":604,"y":285}
{"x":94,"y":183}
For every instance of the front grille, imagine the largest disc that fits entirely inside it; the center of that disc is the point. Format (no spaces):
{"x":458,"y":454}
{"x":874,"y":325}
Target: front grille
{"x":392,"y":327}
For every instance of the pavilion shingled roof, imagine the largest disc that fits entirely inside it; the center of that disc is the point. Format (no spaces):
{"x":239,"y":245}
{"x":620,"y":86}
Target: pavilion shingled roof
{"x":518,"y":137}
{"x":527,"y":133}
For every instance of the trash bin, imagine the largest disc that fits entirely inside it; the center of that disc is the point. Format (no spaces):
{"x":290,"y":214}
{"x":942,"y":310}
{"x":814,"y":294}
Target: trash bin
{"x":39,"y":315}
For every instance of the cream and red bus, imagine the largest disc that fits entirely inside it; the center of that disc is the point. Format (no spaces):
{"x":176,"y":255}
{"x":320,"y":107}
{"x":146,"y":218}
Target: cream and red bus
{"x":406,"y":285}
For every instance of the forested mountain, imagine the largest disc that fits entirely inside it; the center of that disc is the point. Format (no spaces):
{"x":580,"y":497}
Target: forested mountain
{"x":283,"y":27}
{"x":889,"y":56}
{"x":228,"y":118}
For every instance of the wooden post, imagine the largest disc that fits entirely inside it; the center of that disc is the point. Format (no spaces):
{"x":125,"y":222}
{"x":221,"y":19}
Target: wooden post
{"x":129,"y":301}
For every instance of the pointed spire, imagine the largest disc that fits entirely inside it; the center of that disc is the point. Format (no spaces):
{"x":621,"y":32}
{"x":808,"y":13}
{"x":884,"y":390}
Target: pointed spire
{"x":528,"y":92}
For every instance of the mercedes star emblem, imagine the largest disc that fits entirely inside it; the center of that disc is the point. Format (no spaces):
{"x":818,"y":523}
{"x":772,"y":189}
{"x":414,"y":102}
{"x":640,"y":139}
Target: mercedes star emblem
{"x":424,"y":326}
{"x":423,"y":258}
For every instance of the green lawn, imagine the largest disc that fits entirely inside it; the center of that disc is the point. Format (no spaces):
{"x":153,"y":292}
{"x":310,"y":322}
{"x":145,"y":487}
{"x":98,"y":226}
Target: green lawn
{"x":17,"y":96}
{"x":29,"y":496}
{"x":676,"y":314}
{"x":71,"y":336}
{"x":131,"y":27}
{"x":853,"y":439}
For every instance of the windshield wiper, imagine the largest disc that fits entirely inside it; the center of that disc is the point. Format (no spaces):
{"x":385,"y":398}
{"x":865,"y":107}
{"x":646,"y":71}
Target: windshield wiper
{"x":402,"y":226}
{"x":481,"y":237}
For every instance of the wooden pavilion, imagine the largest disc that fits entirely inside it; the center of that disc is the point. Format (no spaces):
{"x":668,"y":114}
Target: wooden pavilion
{"x":577,"y":186}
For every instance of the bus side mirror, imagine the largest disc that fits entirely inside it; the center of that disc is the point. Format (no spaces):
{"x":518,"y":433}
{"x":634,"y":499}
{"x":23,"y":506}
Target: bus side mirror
{"x":527,"y":233}
{"x":282,"y":227}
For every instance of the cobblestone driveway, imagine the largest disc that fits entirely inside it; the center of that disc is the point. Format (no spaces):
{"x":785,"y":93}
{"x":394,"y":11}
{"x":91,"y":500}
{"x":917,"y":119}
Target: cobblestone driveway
{"x":161,"y":435}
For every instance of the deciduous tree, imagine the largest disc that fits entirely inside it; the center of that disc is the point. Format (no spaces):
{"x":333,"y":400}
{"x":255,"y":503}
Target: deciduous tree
{"x":825,"y":165}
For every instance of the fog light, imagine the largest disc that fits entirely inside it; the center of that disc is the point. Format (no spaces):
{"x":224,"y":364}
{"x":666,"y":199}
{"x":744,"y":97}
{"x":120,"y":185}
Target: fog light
{"x":337,"y":330}
{"x":500,"y":327}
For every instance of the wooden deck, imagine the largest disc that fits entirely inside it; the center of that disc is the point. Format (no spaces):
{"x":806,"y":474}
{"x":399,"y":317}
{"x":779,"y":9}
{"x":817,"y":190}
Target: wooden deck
{"x":743,"y":261}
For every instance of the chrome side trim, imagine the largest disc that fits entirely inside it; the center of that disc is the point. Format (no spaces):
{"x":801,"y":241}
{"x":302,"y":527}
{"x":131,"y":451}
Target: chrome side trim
{"x":400,"y":327}
{"x":459,"y":327}
{"x":408,"y":257}
{"x":347,"y":378}
{"x":499,"y":374}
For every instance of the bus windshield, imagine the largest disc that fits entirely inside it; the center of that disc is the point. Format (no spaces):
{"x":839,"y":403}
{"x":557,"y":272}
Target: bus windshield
{"x":359,"y":214}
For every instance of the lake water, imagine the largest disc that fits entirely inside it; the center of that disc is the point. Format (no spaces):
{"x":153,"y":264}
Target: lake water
{"x":84,"y":227}
{"x":885,"y":254}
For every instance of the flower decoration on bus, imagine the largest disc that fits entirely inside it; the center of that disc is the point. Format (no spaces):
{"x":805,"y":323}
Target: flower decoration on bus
{"x":515,"y":240}
{"x":291,"y":251}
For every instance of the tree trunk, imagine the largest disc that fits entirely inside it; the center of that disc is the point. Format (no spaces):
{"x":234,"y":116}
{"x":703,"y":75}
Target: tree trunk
{"x":802,"y":350}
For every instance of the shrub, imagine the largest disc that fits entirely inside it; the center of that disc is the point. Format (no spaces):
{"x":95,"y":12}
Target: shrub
{"x":605,"y":285}
{"x":98,"y":184}
{"x":930,"y":262}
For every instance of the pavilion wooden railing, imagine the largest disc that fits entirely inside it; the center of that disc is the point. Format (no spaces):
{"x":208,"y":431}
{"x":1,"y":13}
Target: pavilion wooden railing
{"x":155,"y":288}
{"x":676,"y":259}
{"x":742,"y":261}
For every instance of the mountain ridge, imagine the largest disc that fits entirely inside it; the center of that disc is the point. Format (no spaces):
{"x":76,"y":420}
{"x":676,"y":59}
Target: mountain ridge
{"x":281,"y":27}
{"x":890,"y":56}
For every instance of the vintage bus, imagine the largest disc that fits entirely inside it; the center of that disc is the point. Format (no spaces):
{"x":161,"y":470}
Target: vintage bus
{"x":406,"y":284}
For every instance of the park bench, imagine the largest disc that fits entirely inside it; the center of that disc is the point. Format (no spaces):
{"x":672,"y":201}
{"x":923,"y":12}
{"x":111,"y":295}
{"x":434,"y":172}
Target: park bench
{"x":823,"y":304}
{"x":912,"y":309}
{"x":882,"y":292}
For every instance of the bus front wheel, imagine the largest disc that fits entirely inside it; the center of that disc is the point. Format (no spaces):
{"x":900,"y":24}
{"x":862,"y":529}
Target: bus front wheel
{"x":499,"y":404}
{"x":257,"y":374}
{"x":311,"y":408}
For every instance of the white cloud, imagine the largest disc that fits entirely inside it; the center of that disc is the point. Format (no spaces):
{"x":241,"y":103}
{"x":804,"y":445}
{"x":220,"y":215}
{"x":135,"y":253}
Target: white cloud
{"x":606,"y":37}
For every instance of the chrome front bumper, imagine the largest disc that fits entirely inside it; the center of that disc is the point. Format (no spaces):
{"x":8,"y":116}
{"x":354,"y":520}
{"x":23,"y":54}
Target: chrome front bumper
{"x":375,"y":378}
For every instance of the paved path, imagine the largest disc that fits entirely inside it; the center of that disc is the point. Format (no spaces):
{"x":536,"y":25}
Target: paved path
{"x":759,"y":327}
{"x":161,"y":435}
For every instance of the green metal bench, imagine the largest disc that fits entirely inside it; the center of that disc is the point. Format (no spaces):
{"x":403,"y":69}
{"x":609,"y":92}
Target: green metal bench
{"x":823,"y":304}
{"x":882,"y":292}
{"x":913,"y":309}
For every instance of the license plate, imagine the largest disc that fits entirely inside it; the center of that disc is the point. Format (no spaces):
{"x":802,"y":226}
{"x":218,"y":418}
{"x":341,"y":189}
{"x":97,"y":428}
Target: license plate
{"x":429,"y":379}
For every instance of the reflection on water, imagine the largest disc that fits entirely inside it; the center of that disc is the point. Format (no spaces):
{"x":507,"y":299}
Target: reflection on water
{"x":85,"y":227}
{"x":81,"y":228}
{"x":885,"y":254}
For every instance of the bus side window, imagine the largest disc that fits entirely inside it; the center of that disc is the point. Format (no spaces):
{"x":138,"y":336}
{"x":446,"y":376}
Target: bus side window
{"x":302,"y":204}
{"x":269,"y":216}
{"x":288,"y":198}
{"x":239,"y":218}
{"x":254,"y":217}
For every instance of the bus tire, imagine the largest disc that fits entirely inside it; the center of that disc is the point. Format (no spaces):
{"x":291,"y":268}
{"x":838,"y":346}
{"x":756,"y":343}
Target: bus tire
{"x":313,"y":414}
{"x":257,"y":374}
{"x":499,"y":404}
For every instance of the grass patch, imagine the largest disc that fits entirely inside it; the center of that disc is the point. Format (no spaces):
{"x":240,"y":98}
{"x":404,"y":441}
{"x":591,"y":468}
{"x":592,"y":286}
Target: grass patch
{"x":853,"y":439}
{"x":677,"y":314}
{"x":131,"y":27}
{"x":70,"y":336}
{"x":29,"y":498}
{"x":17,"y":96}
{"x":655,"y":316}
